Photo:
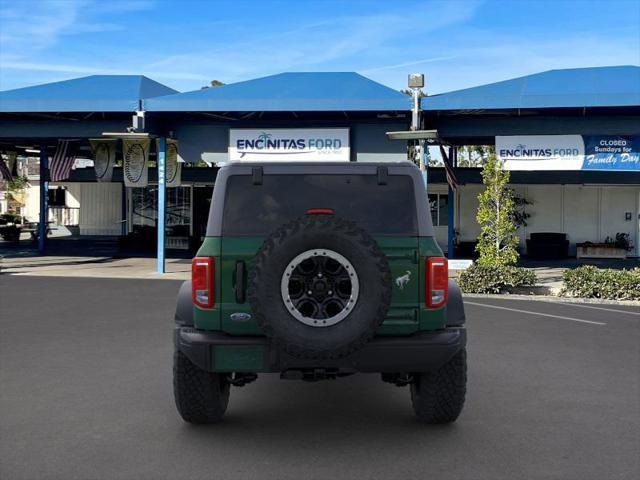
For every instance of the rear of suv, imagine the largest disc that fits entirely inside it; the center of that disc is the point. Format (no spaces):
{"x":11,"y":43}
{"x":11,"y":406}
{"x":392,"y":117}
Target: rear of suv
{"x":317,"y":271}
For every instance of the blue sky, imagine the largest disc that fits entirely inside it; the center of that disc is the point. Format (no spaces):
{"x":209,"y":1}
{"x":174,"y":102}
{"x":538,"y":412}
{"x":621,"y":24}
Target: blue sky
{"x":184,"y":44}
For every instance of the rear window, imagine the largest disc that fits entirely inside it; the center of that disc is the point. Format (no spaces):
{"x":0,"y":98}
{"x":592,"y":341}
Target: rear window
{"x":257,"y":210}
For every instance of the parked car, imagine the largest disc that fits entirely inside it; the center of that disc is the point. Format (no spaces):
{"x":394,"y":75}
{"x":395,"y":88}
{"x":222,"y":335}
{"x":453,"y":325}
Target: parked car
{"x":318,"y":271}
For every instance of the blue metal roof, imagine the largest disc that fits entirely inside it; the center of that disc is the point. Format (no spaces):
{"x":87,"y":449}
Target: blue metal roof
{"x":577,"y":87}
{"x":96,"y":93}
{"x":306,"y":91}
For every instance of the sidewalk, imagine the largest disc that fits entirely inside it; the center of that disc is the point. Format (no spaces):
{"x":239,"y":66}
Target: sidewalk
{"x":98,"y":267}
{"x":549,"y":276}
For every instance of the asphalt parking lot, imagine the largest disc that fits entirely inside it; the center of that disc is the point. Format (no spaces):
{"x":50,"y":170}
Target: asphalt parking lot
{"x":85,"y":393}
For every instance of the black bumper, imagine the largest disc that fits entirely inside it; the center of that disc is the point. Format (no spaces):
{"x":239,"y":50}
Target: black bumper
{"x":420,"y":352}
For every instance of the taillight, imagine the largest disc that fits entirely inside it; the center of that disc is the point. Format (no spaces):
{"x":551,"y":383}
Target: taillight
{"x":320,"y":211}
{"x":202,"y":282}
{"x":437,"y":284}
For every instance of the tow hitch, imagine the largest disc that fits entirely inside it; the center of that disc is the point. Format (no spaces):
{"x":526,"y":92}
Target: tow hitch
{"x":241,"y":379}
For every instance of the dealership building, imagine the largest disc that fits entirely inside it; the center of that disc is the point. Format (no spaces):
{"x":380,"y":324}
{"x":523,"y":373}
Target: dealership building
{"x":570,"y":137}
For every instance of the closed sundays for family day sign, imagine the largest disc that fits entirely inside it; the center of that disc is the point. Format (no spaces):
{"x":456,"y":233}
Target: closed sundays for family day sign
{"x":288,"y":144}
{"x":569,"y":152}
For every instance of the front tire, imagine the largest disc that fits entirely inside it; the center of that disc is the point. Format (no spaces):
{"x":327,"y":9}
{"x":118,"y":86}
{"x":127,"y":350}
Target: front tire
{"x":201,"y":397}
{"x":438,"y":396}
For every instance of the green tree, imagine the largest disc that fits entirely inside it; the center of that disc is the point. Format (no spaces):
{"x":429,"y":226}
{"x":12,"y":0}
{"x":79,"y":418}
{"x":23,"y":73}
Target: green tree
{"x":474,"y":155}
{"x":496,"y":210}
{"x":213,"y":83}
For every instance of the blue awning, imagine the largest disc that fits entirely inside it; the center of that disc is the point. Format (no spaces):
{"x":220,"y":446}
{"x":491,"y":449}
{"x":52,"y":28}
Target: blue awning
{"x":577,"y":87}
{"x":96,"y":93}
{"x":288,"y":92}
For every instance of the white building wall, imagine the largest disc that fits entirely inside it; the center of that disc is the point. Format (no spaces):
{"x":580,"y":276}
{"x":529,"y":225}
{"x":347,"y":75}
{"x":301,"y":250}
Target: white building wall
{"x":615,"y":203}
{"x":100,"y":208}
{"x":546,"y":210}
{"x":581,"y":215}
{"x":32,"y":202}
{"x":583,"y":212}
{"x":73,"y":195}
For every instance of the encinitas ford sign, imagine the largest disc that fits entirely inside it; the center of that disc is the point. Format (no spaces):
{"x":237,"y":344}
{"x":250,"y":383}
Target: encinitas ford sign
{"x":289,"y":144}
{"x":541,"y":152}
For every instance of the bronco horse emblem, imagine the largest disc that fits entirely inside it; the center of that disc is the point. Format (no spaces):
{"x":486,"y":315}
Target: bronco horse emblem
{"x":403,"y":280}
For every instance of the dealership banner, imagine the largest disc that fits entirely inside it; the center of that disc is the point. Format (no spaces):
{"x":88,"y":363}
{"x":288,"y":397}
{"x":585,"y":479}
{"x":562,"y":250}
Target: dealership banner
{"x":104,"y":157}
{"x":569,"y":152}
{"x":541,"y":152}
{"x":611,"y":152}
{"x":136,"y":162}
{"x":288,"y":144}
{"x":173,"y":166}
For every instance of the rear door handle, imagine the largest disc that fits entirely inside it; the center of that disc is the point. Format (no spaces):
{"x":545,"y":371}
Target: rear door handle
{"x":240,"y":281}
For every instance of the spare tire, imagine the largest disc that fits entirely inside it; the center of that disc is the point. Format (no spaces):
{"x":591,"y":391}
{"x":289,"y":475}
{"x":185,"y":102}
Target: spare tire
{"x":319,"y":287}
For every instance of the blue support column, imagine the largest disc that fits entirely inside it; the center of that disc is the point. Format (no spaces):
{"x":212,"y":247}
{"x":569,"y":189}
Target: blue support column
{"x":44,"y":199}
{"x":453,"y":153}
{"x":162,"y":190}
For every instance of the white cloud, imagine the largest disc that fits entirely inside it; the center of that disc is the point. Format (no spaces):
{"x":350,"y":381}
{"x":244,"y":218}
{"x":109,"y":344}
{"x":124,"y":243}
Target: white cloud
{"x":31,"y":27}
{"x":436,"y":37}
{"x":408,"y":64}
{"x":89,"y":70}
{"x":499,"y":57}
{"x":314,"y":46}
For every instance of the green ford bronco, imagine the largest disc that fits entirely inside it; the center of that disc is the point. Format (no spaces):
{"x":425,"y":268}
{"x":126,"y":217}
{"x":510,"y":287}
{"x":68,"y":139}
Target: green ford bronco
{"x":318,"y":271}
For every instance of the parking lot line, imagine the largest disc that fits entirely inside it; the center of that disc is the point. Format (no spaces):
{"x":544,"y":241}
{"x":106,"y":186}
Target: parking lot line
{"x":530,"y":312}
{"x":596,"y":308}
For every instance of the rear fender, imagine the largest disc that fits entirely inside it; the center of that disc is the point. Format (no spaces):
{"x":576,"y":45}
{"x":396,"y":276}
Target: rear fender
{"x":184,"y":307}
{"x":455,"y":307}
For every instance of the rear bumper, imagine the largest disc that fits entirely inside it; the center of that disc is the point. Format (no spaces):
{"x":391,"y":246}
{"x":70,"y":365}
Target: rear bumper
{"x":420,"y":352}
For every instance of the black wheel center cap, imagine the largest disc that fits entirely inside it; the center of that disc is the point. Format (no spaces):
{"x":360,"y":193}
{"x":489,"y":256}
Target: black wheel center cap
{"x":320,"y":287}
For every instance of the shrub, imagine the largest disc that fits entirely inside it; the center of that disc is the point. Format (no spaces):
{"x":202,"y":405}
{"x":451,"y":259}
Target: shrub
{"x":494,"y":279}
{"x":592,"y":282}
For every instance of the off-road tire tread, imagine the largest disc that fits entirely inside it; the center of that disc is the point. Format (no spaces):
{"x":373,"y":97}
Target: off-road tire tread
{"x":325,"y":222}
{"x":201,"y":397}
{"x":438,"y":396}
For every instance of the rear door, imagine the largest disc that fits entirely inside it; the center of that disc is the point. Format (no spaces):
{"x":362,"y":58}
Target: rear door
{"x":253,"y":211}
{"x":402,"y":254}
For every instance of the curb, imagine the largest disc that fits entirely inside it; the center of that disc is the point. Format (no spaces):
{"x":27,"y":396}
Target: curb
{"x":536,"y":290}
{"x":553,"y":299}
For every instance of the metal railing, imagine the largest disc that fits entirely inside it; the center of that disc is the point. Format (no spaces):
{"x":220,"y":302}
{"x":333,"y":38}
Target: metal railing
{"x":67,"y":216}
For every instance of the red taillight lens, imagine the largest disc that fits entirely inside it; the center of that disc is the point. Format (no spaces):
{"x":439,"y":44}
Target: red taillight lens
{"x":202,"y":282}
{"x":320,"y":211}
{"x":437,"y":284}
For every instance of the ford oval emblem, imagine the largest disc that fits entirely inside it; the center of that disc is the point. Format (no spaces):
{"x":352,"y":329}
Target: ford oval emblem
{"x":240,"y":316}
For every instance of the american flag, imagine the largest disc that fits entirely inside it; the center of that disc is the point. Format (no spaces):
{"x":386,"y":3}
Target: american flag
{"x":4,"y":170}
{"x":62,"y":161}
{"x":448,"y":169}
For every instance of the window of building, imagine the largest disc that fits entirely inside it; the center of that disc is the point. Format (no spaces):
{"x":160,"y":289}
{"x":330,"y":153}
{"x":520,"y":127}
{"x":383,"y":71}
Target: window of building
{"x":57,"y":197}
{"x":439,"y":205}
{"x":144,"y":214}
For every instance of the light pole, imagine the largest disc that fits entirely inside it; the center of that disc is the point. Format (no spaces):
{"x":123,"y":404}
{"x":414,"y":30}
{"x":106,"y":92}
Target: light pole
{"x":416,"y":83}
